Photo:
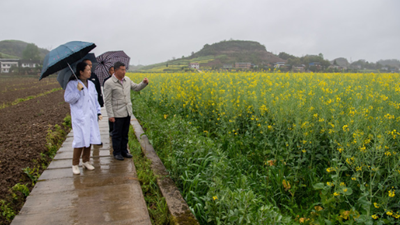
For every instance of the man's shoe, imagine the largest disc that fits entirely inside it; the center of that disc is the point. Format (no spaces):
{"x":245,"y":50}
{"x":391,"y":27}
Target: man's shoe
{"x":127,"y":155}
{"x":87,"y":165}
{"x":75,"y":170}
{"x":118,"y":157}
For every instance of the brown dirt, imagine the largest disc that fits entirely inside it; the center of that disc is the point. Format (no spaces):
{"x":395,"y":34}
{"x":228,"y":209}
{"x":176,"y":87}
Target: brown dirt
{"x":15,"y":81}
{"x":23,"y":130}
{"x":9,"y":96}
{"x":13,"y":87}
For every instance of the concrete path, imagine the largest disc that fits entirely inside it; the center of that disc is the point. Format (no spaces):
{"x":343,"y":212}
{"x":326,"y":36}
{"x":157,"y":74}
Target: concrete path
{"x":110,"y":194}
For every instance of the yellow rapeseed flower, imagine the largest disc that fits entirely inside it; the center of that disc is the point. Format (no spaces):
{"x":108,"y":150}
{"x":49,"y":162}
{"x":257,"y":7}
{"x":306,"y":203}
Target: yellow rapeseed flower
{"x":318,"y":208}
{"x":329,"y":170}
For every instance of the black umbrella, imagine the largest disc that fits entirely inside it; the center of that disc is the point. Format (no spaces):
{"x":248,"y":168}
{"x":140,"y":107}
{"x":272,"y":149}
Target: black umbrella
{"x":62,"y":56}
{"x":65,"y":74}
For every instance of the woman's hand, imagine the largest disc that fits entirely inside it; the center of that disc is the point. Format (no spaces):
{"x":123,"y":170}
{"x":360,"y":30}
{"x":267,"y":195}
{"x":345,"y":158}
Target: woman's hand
{"x":100,"y":117}
{"x":80,"y":87}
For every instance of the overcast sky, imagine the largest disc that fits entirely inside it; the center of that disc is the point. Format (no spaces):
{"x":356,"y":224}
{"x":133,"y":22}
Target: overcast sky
{"x":154,"y":31}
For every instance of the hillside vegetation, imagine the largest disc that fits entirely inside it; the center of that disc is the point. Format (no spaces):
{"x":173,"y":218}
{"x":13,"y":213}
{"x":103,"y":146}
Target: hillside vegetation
{"x":14,"y":49}
{"x":214,"y":56}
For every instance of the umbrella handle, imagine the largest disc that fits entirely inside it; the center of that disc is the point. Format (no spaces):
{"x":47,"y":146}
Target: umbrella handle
{"x":74,"y":74}
{"x":72,"y":71}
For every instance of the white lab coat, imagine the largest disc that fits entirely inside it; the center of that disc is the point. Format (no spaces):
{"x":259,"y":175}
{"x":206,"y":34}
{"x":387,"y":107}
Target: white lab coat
{"x":84,"y":113}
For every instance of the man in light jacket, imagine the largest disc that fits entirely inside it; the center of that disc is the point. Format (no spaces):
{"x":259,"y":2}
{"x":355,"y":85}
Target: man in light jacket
{"x":117,"y":94}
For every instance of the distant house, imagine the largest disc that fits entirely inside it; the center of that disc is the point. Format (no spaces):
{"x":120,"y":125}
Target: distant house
{"x":314,"y":64}
{"x":227,"y":66}
{"x":242,"y":65}
{"x":28,"y":63}
{"x":279,"y":64}
{"x":298,"y":68}
{"x":6,"y":64}
{"x":194,"y":65}
{"x":337,"y":67}
{"x":333,"y":67}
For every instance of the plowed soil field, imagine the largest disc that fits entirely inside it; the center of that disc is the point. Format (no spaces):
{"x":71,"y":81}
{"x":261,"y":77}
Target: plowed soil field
{"x":23,"y":126}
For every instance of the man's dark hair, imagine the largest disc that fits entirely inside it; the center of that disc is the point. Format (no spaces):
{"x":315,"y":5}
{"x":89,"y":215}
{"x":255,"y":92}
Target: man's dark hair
{"x":86,"y":60}
{"x":118,"y":64}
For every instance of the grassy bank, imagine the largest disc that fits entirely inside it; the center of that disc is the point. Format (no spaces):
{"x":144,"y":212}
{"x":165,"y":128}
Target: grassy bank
{"x":10,"y":206}
{"x":155,"y":202}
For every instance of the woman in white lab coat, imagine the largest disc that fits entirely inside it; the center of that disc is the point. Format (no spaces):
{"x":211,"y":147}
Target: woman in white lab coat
{"x":81,"y":95}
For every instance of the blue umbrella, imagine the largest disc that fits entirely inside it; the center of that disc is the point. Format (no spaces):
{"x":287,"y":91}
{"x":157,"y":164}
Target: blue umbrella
{"x":65,"y":75}
{"x":62,"y":56}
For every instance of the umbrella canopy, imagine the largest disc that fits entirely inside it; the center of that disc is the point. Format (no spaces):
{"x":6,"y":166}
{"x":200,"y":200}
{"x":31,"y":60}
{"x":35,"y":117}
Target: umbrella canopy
{"x":107,"y":60}
{"x":64,"y":75}
{"x":60,"y":57}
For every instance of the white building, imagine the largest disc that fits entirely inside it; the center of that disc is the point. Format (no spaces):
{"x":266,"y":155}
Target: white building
{"x":28,"y":63}
{"x":279,"y":64}
{"x":194,"y":65}
{"x":6,"y":64}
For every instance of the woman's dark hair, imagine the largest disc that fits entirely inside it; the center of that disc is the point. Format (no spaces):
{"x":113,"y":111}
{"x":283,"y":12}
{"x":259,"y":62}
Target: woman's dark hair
{"x":80,"y":67}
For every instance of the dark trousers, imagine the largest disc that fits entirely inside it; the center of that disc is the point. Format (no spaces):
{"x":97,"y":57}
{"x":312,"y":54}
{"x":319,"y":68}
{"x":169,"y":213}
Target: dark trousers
{"x":77,"y":155}
{"x":120,"y":135}
{"x":110,"y":127}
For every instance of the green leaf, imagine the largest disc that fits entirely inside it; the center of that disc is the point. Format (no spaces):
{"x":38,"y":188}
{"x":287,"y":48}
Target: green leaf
{"x":319,"y":186}
{"x":364,"y":219}
{"x":346,"y":191}
{"x":364,"y":203}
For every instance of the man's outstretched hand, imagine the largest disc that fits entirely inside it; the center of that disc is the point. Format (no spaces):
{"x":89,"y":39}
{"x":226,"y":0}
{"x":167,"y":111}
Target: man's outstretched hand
{"x":145,"y":80}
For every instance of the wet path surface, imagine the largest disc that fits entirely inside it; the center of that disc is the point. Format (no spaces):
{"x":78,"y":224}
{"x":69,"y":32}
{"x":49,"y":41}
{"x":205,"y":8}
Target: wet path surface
{"x":110,"y":194}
